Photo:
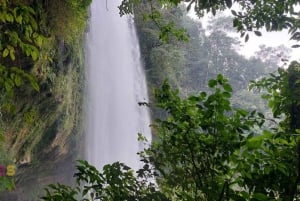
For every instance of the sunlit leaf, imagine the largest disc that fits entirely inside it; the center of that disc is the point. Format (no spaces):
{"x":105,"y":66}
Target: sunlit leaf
{"x":5,"y":52}
{"x":18,"y":80}
{"x":12,"y":54}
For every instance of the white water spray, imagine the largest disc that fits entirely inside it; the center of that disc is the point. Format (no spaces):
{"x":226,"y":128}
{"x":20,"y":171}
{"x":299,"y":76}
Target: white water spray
{"x":116,"y":83}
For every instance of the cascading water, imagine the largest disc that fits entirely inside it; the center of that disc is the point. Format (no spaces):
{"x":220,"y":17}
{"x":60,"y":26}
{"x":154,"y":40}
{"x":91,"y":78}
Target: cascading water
{"x":116,"y":83}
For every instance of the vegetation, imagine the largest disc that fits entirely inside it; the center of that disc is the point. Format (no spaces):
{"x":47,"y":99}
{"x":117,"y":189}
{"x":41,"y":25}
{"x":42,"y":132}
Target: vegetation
{"x":252,"y":16}
{"x":115,"y":182}
{"x":41,"y":62}
{"x":210,"y":51}
{"x":206,"y":149}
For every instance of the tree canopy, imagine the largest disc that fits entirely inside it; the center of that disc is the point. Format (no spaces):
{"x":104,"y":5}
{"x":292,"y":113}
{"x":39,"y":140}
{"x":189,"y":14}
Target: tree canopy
{"x":249,"y":15}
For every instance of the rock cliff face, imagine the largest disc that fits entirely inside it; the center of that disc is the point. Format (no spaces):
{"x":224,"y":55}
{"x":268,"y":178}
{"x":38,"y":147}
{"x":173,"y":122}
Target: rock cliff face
{"x":42,"y":124}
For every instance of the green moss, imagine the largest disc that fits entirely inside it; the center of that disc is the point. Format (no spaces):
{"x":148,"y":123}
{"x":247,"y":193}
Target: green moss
{"x":41,"y":132}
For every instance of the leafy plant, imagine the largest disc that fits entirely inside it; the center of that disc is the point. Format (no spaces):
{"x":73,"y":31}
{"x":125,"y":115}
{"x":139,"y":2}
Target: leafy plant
{"x":196,"y":140}
{"x":115,"y":182}
{"x":203,"y":150}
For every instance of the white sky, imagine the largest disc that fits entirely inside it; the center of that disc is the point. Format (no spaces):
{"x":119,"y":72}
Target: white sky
{"x":271,"y":39}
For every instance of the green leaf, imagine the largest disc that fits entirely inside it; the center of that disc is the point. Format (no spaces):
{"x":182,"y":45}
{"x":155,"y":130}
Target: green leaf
{"x":39,"y":41}
{"x":18,"y":80}
{"x":34,"y":55}
{"x":236,"y":23}
{"x":227,"y":87}
{"x":242,"y":112}
{"x":8,"y":86}
{"x":295,"y":46}
{"x":220,"y":77}
{"x":247,"y":38}
{"x":261,"y":115}
{"x":212,"y":83}
{"x":9,"y":17}
{"x":228,"y":3}
{"x":258,"y":33}
{"x":188,"y":8}
{"x":5,"y":52}
{"x":226,"y":94}
{"x":33,"y":82}
{"x":234,"y":13}
{"x":19,"y":19}
{"x":260,"y":196}
{"x":12,"y":54}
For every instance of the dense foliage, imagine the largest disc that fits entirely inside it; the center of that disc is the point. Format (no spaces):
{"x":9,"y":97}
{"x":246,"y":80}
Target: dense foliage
{"x":41,"y":70}
{"x":116,"y":182}
{"x":210,"y":51}
{"x":205,"y":150}
{"x":214,"y":153}
{"x":250,"y":16}
{"x":20,"y":38}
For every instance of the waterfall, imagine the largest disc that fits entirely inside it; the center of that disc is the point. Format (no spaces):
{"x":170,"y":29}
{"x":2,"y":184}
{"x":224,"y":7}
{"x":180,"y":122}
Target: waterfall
{"x":116,"y":83}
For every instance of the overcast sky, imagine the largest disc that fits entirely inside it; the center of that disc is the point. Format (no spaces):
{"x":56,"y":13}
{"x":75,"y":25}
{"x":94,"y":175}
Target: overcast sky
{"x":268,"y":38}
